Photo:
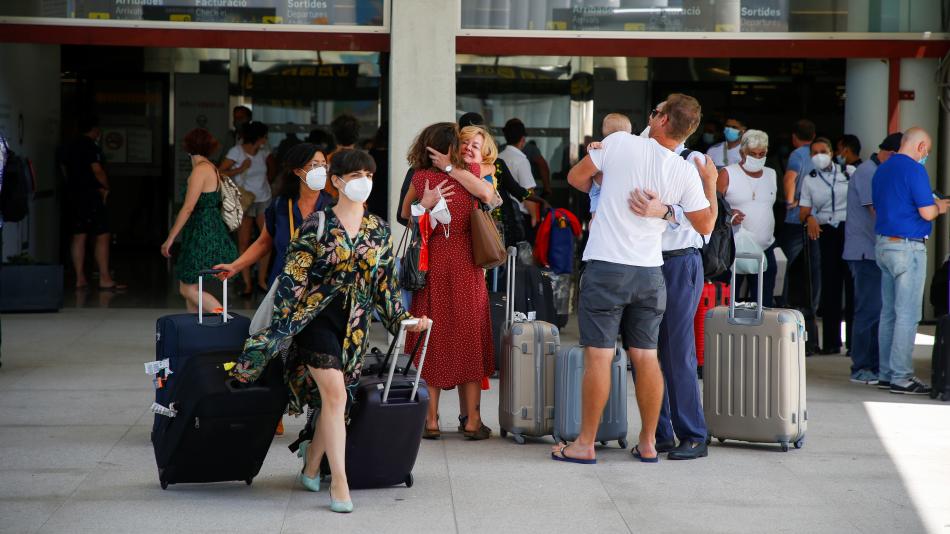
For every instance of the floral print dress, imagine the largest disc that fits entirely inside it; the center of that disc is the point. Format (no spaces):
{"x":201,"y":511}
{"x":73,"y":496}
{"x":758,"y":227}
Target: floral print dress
{"x":317,"y":270}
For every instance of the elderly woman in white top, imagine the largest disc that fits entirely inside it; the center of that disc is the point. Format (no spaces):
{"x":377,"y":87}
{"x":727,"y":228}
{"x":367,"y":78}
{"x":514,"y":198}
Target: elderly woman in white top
{"x":750,"y":187}
{"x":824,"y":209}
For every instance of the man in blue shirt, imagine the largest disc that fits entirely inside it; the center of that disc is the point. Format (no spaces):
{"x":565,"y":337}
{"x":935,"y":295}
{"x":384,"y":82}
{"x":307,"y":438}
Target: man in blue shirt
{"x":790,"y":236}
{"x":906,"y":207}
{"x":859,"y":253}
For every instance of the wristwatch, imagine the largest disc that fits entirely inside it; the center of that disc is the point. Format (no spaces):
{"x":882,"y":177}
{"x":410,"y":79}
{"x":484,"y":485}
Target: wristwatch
{"x":448,"y":169}
{"x":669,"y":213}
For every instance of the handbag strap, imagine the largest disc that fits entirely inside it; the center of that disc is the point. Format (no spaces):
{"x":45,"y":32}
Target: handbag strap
{"x":290,"y":218}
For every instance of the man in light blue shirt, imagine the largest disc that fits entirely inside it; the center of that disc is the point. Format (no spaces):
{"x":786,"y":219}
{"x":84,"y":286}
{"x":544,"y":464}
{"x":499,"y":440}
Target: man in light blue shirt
{"x":859,"y":253}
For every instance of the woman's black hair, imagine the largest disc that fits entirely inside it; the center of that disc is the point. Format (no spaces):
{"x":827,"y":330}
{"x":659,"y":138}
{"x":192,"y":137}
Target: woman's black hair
{"x":297,"y":157}
{"x":351,"y":160}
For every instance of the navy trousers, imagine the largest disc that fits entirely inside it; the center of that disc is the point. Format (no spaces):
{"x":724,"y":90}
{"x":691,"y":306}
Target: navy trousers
{"x":682,"y":410}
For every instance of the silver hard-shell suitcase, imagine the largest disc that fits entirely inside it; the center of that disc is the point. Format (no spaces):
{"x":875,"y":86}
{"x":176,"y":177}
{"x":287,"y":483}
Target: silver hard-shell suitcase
{"x":526,"y":403}
{"x":754,"y":373}
{"x":569,"y":378}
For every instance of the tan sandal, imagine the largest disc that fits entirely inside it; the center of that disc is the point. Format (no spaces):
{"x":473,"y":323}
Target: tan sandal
{"x":482,"y":433}
{"x":431,"y":434}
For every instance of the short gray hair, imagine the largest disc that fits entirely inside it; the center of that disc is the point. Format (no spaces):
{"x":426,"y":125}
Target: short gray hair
{"x":753,"y":139}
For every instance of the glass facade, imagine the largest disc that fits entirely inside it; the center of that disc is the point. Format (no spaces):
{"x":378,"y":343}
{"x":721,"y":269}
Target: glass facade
{"x":709,"y":15}
{"x":306,"y":12}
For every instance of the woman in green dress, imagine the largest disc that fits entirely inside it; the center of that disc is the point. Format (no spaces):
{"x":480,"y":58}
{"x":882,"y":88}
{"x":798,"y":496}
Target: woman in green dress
{"x":336,"y":274}
{"x":204,"y":237}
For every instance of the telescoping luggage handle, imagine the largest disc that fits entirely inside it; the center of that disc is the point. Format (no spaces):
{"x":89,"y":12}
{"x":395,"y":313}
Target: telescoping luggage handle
{"x":510,"y":285}
{"x":744,"y":315}
{"x":224,"y":303}
{"x":422,"y":359}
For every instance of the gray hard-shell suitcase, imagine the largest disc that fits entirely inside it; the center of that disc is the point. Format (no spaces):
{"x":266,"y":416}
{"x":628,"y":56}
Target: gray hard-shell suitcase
{"x":754,"y":373}
{"x":569,"y":378}
{"x":526,"y":404}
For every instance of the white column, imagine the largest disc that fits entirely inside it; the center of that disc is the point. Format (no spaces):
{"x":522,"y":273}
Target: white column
{"x":34,"y":95}
{"x":865,"y":106}
{"x":422,"y":79}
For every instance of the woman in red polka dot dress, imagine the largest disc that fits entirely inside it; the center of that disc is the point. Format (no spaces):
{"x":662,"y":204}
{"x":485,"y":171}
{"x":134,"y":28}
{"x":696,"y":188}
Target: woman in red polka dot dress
{"x":461,"y":349}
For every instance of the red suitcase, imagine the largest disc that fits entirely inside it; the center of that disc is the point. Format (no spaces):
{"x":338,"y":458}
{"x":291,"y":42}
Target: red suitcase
{"x":714,"y":294}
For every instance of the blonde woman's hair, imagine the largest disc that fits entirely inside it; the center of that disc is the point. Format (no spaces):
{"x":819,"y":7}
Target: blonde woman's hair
{"x":489,"y":148}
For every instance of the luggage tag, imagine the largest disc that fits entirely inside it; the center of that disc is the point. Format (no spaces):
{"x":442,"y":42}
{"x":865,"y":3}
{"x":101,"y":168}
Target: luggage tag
{"x":161,"y":410}
{"x":153,"y":368}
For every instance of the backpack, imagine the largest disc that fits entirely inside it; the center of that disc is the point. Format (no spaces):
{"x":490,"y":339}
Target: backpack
{"x":554,"y":244}
{"x":17,"y":187}
{"x":720,"y":250}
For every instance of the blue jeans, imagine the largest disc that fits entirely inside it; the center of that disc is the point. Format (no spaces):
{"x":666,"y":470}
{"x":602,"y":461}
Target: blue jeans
{"x":867,"y":315}
{"x":903,"y":270}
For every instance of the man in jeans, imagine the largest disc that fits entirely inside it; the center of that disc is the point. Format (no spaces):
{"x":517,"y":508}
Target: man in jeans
{"x":859,"y":239}
{"x":623,"y":290}
{"x":905,"y":207}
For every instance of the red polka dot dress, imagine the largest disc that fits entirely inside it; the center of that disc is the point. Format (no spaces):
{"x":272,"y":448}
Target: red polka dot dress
{"x":461,"y":348}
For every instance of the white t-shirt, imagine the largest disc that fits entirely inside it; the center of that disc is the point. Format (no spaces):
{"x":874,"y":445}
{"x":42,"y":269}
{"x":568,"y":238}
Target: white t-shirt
{"x":254,"y":179}
{"x":754,"y":197}
{"x":724,"y":158}
{"x":520,"y":169}
{"x":631,"y":162}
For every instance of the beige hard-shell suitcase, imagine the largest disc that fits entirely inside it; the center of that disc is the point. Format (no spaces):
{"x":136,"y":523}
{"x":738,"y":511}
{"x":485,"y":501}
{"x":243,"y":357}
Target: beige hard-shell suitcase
{"x":526,"y":403}
{"x":754,"y":372}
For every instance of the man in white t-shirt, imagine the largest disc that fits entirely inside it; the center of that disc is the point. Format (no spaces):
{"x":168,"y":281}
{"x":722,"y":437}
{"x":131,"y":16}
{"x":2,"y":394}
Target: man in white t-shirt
{"x":520,"y":167}
{"x":623,"y":290}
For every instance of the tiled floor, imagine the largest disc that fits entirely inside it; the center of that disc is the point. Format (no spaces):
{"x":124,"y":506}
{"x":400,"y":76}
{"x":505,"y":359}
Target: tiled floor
{"x":75,"y":457}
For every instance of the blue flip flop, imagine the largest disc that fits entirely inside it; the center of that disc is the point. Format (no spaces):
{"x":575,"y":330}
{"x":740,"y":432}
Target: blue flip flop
{"x":565,"y":458}
{"x":635,"y":451}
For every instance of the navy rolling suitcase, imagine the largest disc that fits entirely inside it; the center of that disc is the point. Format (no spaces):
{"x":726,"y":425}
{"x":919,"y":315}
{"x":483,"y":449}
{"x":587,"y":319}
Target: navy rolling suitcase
{"x":386,"y":423}
{"x":209,"y":427}
{"x":386,"y":420}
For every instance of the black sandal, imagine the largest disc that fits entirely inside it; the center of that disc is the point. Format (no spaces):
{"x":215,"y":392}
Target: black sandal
{"x":482,"y":433}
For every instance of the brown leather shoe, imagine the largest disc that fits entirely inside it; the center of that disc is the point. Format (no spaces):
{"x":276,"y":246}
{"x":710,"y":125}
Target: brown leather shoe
{"x":482,"y":433}
{"x":431,"y":434}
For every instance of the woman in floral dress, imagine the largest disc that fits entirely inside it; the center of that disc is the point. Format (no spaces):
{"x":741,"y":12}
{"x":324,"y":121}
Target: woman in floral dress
{"x":331,"y":283}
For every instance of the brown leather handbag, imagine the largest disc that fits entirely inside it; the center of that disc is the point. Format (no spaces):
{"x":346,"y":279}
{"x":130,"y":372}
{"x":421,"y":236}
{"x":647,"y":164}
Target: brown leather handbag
{"x":487,"y":246}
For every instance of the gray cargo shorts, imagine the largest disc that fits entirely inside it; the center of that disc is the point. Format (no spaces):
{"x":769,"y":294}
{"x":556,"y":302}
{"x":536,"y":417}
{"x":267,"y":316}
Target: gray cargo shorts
{"x":625,"y":299}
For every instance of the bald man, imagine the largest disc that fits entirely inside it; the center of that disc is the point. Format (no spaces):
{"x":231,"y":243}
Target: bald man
{"x":906,"y":208}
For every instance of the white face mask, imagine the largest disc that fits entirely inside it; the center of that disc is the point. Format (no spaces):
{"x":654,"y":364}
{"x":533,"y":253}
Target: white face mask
{"x":442,"y":215}
{"x":358,"y":189}
{"x":821,"y":161}
{"x":317,"y":178}
{"x":753,"y":164}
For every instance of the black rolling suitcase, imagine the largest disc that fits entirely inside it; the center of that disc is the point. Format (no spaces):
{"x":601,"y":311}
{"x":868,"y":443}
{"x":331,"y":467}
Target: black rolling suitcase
{"x":386,"y":421}
{"x":209,"y":427}
{"x":940,"y":362}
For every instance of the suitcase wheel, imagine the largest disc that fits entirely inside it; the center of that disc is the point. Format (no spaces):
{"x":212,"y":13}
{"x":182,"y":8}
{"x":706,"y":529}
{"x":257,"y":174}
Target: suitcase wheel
{"x":409,"y":480}
{"x":504,"y":433}
{"x":604,"y":443}
{"x":519,"y":439}
{"x":784,"y":446}
{"x":623,"y":443}
{"x":164,"y":484}
{"x":249,"y":481}
{"x":800,"y":443}
{"x":708,"y":440}
{"x":723,"y":440}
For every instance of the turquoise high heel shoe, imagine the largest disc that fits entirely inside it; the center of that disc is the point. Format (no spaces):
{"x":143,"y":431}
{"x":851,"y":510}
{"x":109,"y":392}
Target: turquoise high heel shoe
{"x":340,"y":507}
{"x":312,"y":484}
